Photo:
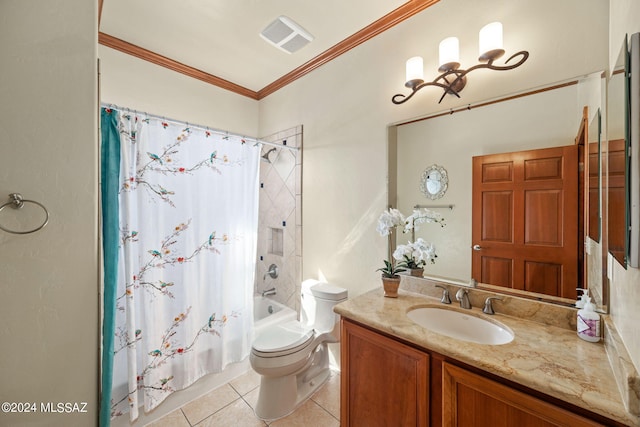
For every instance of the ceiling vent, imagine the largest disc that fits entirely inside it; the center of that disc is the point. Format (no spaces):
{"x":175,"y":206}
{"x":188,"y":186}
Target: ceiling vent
{"x":286,"y":35}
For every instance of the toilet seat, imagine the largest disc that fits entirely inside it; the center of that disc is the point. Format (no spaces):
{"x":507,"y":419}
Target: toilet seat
{"x":281,"y":340}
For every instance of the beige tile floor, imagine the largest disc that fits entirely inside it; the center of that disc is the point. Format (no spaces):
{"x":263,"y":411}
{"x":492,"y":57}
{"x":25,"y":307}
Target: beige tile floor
{"x":232,"y":405}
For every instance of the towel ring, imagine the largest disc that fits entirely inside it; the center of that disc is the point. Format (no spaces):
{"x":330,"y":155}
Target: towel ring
{"x":17,"y":202}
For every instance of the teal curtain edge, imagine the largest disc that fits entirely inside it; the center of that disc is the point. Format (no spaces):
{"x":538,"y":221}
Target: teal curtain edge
{"x":110,"y":175}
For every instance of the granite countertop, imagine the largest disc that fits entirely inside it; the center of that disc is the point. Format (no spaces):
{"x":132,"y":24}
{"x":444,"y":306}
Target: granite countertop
{"x":546,"y":358}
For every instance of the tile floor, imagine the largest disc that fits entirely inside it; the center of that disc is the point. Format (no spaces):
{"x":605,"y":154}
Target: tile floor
{"x":232,"y":405}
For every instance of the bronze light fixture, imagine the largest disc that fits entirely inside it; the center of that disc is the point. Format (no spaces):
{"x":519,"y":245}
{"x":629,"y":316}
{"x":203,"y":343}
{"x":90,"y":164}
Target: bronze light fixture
{"x":453,"y":79}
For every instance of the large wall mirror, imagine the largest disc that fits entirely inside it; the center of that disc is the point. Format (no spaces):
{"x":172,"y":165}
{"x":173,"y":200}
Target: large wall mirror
{"x":532,"y":136}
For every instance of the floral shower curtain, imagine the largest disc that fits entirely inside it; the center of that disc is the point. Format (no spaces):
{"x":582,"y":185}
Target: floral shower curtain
{"x":188,"y":209}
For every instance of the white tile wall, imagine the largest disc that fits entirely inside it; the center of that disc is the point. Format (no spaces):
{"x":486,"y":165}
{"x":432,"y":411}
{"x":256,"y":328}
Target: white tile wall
{"x":281,"y":208}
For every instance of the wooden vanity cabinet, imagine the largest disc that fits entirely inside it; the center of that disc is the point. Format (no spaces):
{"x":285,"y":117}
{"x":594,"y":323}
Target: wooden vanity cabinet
{"x":387,"y":383}
{"x":473,"y":400}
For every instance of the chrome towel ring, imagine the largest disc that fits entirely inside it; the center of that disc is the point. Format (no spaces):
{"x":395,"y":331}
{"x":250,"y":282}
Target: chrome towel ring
{"x":17,"y":202}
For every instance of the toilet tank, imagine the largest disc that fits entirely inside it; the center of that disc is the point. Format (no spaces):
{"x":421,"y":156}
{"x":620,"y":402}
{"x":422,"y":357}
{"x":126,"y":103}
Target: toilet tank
{"x":318,"y":300}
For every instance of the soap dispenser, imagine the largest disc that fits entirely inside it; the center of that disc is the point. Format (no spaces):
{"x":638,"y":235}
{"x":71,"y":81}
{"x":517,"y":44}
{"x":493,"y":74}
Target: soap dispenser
{"x":588,"y":321}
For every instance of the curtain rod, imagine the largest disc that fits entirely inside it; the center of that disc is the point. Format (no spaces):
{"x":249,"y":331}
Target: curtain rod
{"x":489,"y":102}
{"x":193,"y":125}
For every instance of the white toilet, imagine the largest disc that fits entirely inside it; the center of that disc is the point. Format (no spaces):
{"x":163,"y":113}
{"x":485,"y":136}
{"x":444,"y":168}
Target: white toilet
{"x":293,"y":358}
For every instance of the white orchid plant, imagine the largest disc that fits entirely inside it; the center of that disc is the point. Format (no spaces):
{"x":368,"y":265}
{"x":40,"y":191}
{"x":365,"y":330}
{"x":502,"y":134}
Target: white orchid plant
{"x":416,"y":254}
{"x":393,"y":218}
{"x":411,"y":255}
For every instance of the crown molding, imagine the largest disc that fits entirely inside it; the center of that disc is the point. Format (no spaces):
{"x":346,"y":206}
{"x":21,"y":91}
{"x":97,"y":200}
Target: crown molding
{"x":391,"y":19}
{"x":163,"y":61}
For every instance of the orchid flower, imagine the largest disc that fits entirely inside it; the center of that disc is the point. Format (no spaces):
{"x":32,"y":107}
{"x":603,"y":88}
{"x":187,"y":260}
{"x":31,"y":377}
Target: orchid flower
{"x":388,"y":220}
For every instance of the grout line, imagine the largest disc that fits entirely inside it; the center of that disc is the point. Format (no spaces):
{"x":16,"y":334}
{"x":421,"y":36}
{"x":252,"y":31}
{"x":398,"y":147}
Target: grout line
{"x":221,"y":409}
{"x":183,"y":414}
{"x":252,"y":410}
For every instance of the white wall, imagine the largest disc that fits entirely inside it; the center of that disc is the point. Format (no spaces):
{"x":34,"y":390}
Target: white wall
{"x":345,"y":107}
{"x":625,"y":284}
{"x":48,"y":152}
{"x":133,"y":83}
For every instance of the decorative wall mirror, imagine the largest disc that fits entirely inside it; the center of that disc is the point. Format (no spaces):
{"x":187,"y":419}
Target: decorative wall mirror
{"x":434,"y":182}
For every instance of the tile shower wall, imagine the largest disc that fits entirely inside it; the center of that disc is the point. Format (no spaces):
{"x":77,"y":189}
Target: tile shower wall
{"x":280,"y":218}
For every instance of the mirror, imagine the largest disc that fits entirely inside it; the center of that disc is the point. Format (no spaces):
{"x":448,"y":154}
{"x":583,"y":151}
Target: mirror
{"x":434,"y":182}
{"x":539,"y":119}
{"x":594,"y":251}
{"x":617,"y":155}
{"x":595,"y":177}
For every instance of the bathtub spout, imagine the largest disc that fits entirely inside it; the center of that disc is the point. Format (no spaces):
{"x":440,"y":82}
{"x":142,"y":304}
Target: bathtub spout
{"x":268,"y":292}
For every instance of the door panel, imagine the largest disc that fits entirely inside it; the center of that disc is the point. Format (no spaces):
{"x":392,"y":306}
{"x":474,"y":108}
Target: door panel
{"x":498,"y":227}
{"x":550,"y":168}
{"x":496,"y":270}
{"x":525,"y":229}
{"x":543,"y":217}
{"x":497,"y":172}
{"x":383,"y":382}
{"x":543,"y":277}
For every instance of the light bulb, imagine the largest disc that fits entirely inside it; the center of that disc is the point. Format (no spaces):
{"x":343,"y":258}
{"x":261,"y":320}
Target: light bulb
{"x":449,"y":50}
{"x":415,"y":68}
{"x":490,"y":42}
{"x":414,"y":72}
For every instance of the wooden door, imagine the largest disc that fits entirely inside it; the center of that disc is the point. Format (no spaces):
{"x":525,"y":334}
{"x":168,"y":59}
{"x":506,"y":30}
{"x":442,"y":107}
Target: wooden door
{"x":471,"y":400}
{"x":525,"y":220}
{"x":383,"y":382}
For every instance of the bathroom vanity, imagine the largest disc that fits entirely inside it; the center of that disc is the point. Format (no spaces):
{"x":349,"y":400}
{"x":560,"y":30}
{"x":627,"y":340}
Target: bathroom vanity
{"x":396,"y":372}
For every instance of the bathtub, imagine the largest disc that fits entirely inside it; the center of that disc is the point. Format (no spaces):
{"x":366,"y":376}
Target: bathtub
{"x":267,"y":312}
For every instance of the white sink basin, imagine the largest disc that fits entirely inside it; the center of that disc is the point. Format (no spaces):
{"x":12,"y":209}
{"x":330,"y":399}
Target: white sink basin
{"x":460,"y":325}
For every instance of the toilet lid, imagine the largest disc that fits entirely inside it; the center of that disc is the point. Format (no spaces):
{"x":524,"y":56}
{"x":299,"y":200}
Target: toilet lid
{"x":282,"y":337}
{"x":329,"y":292}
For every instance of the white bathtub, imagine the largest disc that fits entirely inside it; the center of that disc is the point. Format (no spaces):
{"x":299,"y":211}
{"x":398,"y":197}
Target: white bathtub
{"x":267,"y":312}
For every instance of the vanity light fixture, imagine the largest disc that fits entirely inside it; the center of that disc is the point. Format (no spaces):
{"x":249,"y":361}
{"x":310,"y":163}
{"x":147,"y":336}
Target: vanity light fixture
{"x":453,"y":79}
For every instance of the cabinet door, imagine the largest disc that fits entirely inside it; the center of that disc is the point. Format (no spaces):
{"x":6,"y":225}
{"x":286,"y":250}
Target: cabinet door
{"x":383,"y":383}
{"x":471,"y":400}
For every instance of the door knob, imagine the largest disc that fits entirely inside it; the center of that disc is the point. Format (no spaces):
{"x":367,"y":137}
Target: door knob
{"x":477,"y":247}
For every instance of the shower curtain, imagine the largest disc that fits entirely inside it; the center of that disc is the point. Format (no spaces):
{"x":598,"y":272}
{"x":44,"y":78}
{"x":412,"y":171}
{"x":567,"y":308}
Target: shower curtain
{"x":188,"y":211}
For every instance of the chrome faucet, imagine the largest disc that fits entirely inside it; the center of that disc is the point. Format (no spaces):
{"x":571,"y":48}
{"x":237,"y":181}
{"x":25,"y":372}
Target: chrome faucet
{"x":488,"y":308}
{"x":446,"y":299}
{"x":268,"y":292}
{"x":463,"y":296}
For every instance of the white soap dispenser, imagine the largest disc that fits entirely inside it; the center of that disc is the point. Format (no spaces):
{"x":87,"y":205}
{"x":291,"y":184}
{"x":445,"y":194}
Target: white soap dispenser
{"x":588,"y":321}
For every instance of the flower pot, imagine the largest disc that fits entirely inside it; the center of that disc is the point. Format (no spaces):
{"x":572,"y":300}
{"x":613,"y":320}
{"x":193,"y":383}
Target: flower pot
{"x":391,"y":285}
{"x":417,"y":272}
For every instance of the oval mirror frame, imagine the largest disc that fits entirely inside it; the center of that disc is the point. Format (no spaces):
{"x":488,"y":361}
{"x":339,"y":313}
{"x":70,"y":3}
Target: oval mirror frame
{"x":434,"y":182}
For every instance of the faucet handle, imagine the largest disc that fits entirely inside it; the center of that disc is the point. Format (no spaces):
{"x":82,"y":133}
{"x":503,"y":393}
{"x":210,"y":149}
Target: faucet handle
{"x":446,"y":299}
{"x":488,"y":307}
